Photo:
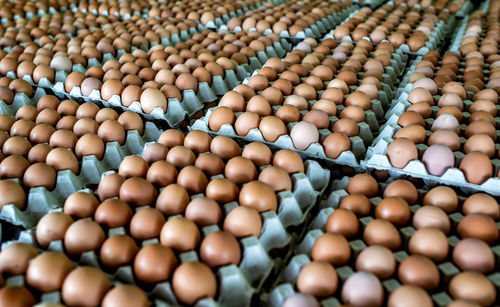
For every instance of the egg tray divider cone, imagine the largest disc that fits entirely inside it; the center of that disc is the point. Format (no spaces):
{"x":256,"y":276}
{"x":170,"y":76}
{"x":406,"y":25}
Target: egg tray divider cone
{"x":284,"y":286}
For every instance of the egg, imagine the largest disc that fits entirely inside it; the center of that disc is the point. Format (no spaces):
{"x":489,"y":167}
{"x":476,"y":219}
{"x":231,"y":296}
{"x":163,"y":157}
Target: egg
{"x":438,"y":159}
{"x":152,"y":98}
{"x":362,"y":289}
{"x":15,"y":258}
{"x":300,"y":299}
{"x":393,"y":209}
{"x":430,"y":242}
{"x":419,"y":271}
{"x":113,"y":213}
{"x":11,"y":193}
{"x":118,"y":250}
{"x":126,"y":296}
{"x":377,"y":260}
{"x":146,"y":223}
{"x":483,"y":204}
{"x":154,"y":263}
{"x":16,"y":296}
{"x":401,"y":151}
{"x":478,"y":226}
{"x":317,"y":278}
{"x":47,"y":271}
{"x":476,"y":167}
{"x":332,"y":248}
{"x":85,"y":286}
{"x":472,"y":286}
{"x":243,"y":221}
{"x":409,"y":295}
{"x":52,"y":227}
{"x":220,"y":248}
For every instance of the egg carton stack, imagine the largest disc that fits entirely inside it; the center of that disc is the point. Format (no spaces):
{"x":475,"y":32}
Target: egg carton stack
{"x":262,"y":246}
{"x":26,"y":148}
{"x":461,"y":104}
{"x":29,"y":10}
{"x":344,"y":154}
{"x":295,"y":32}
{"x":374,"y":244}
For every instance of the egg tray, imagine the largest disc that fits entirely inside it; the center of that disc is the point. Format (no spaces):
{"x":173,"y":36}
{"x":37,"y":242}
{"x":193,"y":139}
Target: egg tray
{"x":285,"y":283}
{"x":315,"y":150}
{"x":176,"y":111}
{"x":373,"y":4}
{"x":315,"y":31}
{"x":233,"y":287}
{"x":256,"y":266}
{"x":161,"y":295}
{"x":219,"y":22}
{"x":40,"y":201}
{"x":31,"y":15}
{"x":376,"y":159}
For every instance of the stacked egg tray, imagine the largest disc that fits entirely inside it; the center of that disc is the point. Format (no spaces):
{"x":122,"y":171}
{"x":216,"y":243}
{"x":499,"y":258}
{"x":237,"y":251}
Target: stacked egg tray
{"x":367,"y":129}
{"x":280,"y":229}
{"x":426,"y":245}
{"x":444,"y":26}
{"x":314,"y":30}
{"x":376,"y":157}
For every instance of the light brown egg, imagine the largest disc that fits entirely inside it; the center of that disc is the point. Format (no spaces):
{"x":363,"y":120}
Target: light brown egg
{"x":317,"y":278}
{"x":48,"y":270}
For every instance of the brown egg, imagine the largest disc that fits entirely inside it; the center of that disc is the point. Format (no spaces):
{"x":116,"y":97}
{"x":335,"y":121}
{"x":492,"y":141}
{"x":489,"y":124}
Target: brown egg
{"x":40,"y":175}
{"x":272,"y":128}
{"x":393,"y":209}
{"x":15,"y":257}
{"x":152,"y":98}
{"x":62,"y":159}
{"x":476,"y":167}
{"x":259,"y":196}
{"x":474,"y":287}
{"x":48,"y":270}
{"x":431,"y":217}
{"x":180,"y":234}
{"x":409,"y":295}
{"x":146,"y":223}
{"x":344,"y":222}
{"x":401,"y":151}
{"x":234,"y":101}
{"x":430,"y":242}
{"x":332,"y":248}
{"x":220,"y":248}
{"x":109,"y":88}
{"x":410,"y":118}
{"x":335,"y":144}
{"x":192,"y":281}
{"x":126,"y":296}
{"x":118,"y":250}
{"x":377,"y":260}
{"x":203,"y":211}
{"x":483,"y":204}
{"x":154,"y":152}
{"x":318,"y":278}
{"x":133,"y":166}
{"x":419,"y":271}
{"x":219,"y":117}
{"x":83,"y":236}
{"x":154,"y":263}
{"x":480,"y":142}
{"x":171,"y":138}
{"x":381,"y":232}
{"x":138,"y":191}
{"x":346,"y":126}
{"x":80,"y":205}
{"x":364,"y":184}
{"x":478,"y":226}
{"x":11,"y":193}
{"x":472,"y":254}
{"x":288,"y":160}
{"x":111,"y":131}
{"x":52,"y":227}
{"x":113,"y":213}
{"x":357,"y":203}
{"x":131,"y":121}
{"x":16,"y":296}
{"x":85,"y":286}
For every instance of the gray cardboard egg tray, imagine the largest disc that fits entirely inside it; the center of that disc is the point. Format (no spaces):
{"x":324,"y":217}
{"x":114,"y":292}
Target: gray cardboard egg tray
{"x":236,"y":283}
{"x":39,"y":200}
{"x":373,"y":4}
{"x":176,"y":111}
{"x":285,"y":283}
{"x":376,"y":158}
{"x":315,"y":31}
{"x":315,"y":150}
{"x":233,"y":289}
{"x":434,"y":41}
